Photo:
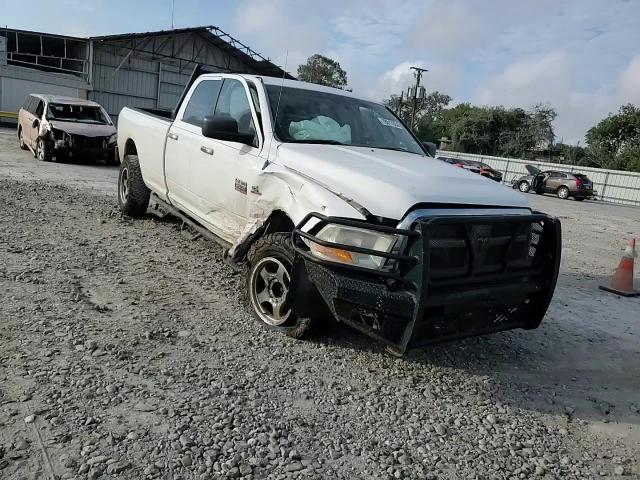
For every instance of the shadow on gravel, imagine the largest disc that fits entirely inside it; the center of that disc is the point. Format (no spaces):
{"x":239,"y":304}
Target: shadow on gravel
{"x":567,"y":365}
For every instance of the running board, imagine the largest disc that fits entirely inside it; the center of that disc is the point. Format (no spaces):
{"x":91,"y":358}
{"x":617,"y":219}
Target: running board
{"x":201,"y":231}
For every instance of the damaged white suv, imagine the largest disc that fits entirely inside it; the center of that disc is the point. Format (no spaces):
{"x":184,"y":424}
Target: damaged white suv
{"x":337,"y":209}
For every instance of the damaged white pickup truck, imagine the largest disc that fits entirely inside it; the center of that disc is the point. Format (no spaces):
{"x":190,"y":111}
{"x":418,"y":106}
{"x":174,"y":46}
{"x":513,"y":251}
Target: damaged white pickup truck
{"x":337,"y":209}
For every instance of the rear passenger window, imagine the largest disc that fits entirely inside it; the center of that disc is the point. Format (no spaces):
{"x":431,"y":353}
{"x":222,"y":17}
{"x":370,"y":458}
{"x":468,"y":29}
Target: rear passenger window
{"x":39,"y":109}
{"x":202,"y":102}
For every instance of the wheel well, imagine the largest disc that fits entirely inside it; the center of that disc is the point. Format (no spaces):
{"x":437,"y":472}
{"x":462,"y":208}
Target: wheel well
{"x":278,"y":221}
{"x":130,"y":148}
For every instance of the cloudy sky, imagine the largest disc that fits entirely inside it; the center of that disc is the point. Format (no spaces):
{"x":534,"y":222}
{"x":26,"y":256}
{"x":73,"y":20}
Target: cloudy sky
{"x":580,"y":56}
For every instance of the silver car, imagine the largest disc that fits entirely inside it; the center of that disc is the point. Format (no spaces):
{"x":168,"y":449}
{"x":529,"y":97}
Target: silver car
{"x":55,"y":127}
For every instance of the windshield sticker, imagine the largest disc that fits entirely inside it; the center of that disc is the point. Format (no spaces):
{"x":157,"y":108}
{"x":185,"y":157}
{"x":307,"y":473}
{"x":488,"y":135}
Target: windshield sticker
{"x":390,"y":123}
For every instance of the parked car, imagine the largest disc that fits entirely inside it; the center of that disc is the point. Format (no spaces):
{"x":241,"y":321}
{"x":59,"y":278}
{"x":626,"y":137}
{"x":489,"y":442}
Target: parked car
{"x":486,"y":171}
{"x":475,"y":167}
{"x":465,"y":164}
{"x":563,"y":184}
{"x":55,"y":127}
{"x":336,"y":208}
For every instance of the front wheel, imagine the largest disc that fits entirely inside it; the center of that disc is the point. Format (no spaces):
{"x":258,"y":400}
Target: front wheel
{"x":133,"y":194}
{"x":563,"y":193}
{"x":524,"y":186}
{"x":42,"y":152}
{"x":268,"y":284}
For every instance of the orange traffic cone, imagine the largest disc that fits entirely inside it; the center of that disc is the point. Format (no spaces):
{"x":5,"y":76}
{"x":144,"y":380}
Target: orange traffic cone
{"x":622,"y":280}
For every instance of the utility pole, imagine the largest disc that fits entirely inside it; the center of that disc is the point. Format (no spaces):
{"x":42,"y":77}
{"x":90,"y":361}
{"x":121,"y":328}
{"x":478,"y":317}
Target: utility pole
{"x":173,"y":9}
{"x":418,"y":74}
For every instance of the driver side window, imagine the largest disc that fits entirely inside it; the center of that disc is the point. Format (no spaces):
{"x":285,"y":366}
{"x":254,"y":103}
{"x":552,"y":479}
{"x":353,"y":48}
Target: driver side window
{"x":233,"y":102}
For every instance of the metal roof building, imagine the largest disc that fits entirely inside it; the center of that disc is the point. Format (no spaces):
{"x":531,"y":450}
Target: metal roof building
{"x":147,"y":70}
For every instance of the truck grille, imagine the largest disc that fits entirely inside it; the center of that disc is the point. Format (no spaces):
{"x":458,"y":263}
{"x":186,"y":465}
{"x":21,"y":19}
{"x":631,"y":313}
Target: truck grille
{"x":476,"y":249}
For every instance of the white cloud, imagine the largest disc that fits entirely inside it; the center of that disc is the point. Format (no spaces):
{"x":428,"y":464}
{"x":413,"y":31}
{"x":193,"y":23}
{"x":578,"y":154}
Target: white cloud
{"x":550,"y":79}
{"x":572,"y":54}
{"x":630,"y":82}
{"x":442,"y":77}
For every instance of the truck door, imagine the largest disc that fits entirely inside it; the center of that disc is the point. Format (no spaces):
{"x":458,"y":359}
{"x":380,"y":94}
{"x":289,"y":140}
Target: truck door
{"x":184,"y":141}
{"x":224,"y":172}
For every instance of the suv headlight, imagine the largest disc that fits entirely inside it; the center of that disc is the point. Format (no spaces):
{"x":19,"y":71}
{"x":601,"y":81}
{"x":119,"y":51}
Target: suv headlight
{"x":113,"y":138}
{"x":356,"y":237}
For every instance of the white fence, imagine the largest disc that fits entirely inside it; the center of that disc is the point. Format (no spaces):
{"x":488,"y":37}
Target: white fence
{"x":614,"y":186}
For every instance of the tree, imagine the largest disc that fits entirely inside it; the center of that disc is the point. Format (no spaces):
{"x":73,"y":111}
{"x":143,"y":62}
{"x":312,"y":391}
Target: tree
{"x":428,"y":112}
{"x":323,"y":71}
{"x":615,"y":141}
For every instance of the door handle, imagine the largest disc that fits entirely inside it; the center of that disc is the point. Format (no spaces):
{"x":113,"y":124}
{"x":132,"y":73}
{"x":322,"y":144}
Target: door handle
{"x":172,"y":136}
{"x":207,"y":150}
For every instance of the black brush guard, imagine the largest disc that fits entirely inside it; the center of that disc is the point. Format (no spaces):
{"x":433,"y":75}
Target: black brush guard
{"x":451,"y":277}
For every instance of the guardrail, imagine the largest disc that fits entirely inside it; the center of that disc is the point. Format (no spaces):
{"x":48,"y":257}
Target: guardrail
{"x":614,"y":186}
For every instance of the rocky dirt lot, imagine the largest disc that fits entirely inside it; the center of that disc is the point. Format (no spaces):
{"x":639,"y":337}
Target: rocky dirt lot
{"x":127,"y":353}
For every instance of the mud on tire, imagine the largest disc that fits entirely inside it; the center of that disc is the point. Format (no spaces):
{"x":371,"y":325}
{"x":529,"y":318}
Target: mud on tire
{"x":133,"y":194}
{"x":267,"y":286}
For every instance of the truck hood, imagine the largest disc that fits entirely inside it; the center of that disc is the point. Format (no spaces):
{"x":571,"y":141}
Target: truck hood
{"x":388,"y":183}
{"x":84,"y":129}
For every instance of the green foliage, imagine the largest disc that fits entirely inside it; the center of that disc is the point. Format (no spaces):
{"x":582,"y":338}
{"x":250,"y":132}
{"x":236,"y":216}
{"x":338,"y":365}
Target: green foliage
{"x":323,"y":71}
{"x":615,"y":141}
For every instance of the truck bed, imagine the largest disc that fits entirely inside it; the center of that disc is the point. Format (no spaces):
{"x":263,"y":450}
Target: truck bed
{"x":149,"y":133}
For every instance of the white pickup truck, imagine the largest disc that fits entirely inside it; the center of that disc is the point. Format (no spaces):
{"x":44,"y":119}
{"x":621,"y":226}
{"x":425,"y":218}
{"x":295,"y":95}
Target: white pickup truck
{"x":337,"y":209}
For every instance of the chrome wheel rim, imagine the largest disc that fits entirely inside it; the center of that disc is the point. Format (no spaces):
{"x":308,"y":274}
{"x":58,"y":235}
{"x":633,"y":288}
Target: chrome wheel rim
{"x":124,"y":185}
{"x":40,"y":150}
{"x":269,"y":283}
{"x":524,"y":187}
{"x":563,"y":193}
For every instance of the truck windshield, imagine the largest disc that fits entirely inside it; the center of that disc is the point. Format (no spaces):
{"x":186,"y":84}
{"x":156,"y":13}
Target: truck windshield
{"x":309,"y":116}
{"x":76,"y":113}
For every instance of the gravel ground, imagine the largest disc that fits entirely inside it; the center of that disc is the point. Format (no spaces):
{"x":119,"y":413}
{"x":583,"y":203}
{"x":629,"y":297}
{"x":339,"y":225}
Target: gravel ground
{"x":126,"y":352}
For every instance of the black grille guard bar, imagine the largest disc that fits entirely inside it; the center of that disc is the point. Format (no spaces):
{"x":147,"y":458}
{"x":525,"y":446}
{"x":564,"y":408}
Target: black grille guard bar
{"x":516,"y":296}
{"x":300,"y":248}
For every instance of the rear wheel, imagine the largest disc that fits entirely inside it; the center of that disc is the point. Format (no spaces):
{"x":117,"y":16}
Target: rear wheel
{"x":563,"y":193}
{"x":23,"y":145}
{"x":524,"y":186}
{"x":133,"y":194}
{"x":268,"y":284}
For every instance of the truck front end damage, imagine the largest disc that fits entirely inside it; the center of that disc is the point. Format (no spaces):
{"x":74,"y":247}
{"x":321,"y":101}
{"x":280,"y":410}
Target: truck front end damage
{"x":445,"y":277}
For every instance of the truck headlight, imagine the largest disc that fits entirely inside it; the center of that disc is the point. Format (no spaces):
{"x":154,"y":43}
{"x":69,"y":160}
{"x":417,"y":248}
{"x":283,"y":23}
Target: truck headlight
{"x":356,"y":237}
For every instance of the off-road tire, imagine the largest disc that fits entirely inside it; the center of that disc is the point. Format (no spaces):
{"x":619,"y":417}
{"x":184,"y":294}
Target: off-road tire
{"x":563,"y":193}
{"x":524,"y":186}
{"x":23,"y":146}
{"x":133,"y":199}
{"x":275,"y":245}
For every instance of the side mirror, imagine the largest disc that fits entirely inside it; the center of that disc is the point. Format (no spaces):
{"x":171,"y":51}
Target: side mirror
{"x":35,"y":123}
{"x":225,"y":128}
{"x":430,"y":147}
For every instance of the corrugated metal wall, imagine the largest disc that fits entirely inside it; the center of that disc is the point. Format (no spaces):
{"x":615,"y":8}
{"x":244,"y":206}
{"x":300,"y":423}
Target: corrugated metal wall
{"x":125,"y":77}
{"x":612,"y":185}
